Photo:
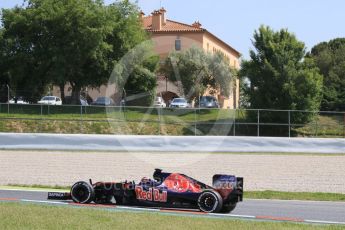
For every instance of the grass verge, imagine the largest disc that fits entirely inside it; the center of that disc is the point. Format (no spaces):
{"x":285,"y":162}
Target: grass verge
{"x":153,"y":121}
{"x":36,"y":187}
{"x":313,"y":196}
{"x":30,"y":216}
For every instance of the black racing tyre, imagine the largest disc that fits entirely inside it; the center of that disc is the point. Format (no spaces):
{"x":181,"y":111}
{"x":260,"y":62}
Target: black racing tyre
{"x":82,"y":192}
{"x":228,"y":207}
{"x":210,"y":201}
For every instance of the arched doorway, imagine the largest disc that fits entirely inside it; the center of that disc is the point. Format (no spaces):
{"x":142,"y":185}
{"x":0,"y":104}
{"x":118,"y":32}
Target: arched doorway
{"x":168,"y":96}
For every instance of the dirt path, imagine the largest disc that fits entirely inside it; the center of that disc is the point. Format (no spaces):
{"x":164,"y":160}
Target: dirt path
{"x":261,"y":172}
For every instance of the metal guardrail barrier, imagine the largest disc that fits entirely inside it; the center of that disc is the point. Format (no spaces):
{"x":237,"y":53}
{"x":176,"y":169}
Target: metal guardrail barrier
{"x":167,"y":121}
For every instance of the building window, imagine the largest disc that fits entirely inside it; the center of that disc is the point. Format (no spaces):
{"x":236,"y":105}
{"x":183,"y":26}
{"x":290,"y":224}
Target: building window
{"x":208,"y":47}
{"x":177,"y":44}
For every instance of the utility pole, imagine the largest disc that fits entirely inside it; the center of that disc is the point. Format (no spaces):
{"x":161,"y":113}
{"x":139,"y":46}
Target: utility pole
{"x":8,"y":98}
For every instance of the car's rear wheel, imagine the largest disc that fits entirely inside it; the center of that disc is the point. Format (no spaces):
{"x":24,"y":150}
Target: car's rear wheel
{"x":210,"y":201}
{"x":82,"y":192}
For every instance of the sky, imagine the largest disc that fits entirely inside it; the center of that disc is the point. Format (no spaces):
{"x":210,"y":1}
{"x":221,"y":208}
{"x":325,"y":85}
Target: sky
{"x":312,"y":21}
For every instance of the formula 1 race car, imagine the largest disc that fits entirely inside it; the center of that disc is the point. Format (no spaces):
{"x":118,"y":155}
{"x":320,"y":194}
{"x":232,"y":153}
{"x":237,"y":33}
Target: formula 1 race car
{"x":166,"y":190}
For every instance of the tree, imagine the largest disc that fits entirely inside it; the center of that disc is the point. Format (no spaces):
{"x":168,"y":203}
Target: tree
{"x":17,"y":64}
{"x":70,"y":41}
{"x":280,"y":75}
{"x":135,"y":74}
{"x":198,"y":71}
{"x":3,"y":76}
{"x":141,"y":83}
{"x":330,"y":58}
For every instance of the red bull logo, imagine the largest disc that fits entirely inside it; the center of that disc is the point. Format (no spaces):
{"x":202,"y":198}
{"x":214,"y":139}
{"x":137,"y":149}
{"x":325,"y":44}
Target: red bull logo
{"x":178,"y":183}
{"x":151,"y":194}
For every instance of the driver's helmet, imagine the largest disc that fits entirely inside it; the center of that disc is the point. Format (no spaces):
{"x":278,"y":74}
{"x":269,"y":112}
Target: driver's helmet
{"x":145,"y":180}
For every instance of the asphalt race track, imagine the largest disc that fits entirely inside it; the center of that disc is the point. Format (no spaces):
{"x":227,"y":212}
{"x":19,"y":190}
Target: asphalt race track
{"x":295,"y":211}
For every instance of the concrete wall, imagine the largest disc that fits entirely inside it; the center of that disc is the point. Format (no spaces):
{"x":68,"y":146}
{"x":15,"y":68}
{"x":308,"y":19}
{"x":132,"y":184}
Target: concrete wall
{"x":172,"y":143}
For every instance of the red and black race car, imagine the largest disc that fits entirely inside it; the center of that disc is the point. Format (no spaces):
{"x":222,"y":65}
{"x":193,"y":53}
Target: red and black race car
{"x":166,"y":190}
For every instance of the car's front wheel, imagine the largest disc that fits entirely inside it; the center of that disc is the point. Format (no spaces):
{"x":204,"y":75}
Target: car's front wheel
{"x":82,"y":192}
{"x":210,"y":201}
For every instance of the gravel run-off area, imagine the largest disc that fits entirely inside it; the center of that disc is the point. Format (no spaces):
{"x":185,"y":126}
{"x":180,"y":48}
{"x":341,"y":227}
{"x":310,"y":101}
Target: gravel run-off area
{"x":302,"y":173}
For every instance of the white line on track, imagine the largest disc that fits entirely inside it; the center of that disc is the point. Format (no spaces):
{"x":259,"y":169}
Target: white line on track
{"x":43,"y":201}
{"x":138,"y":209}
{"x":232,"y":215}
{"x":323,"y":222}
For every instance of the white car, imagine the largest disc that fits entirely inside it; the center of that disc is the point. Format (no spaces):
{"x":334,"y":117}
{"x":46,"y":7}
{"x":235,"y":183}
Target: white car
{"x":18,"y":100}
{"x":179,"y":103}
{"x":159,"y":102}
{"x":50,"y":100}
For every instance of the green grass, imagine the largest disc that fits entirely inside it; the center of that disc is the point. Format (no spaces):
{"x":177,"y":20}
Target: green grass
{"x":314,"y":196}
{"x":29,"y":216}
{"x":116,"y":114}
{"x":151,"y":121}
{"x":35,"y":186}
{"x":136,"y":121}
{"x":329,"y":125}
{"x":281,"y":154}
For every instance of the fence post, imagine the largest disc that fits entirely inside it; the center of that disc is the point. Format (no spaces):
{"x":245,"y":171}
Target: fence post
{"x":289,"y":124}
{"x":41,"y":128}
{"x":159,"y":120}
{"x":258,"y":123}
{"x":235,"y":123}
{"x":316,"y":124}
{"x":344,"y":126}
{"x":8,"y":99}
{"x":194,"y":122}
{"x":81,"y":118}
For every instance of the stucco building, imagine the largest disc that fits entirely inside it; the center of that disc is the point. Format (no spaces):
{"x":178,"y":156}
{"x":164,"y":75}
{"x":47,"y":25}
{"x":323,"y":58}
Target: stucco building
{"x":169,"y":36}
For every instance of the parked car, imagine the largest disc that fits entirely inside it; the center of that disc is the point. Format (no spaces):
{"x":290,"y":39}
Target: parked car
{"x":18,"y":100}
{"x":82,"y":101}
{"x":179,"y":103}
{"x":207,"y":102}
{"x":159,"y":102}
{"x":50,"y":100}
{"x":103,"y":101}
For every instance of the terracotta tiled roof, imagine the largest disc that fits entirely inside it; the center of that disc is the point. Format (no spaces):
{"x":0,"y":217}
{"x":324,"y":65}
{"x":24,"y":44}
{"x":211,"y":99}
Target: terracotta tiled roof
{"x":170,"y":26}
{"x":173,"y":26}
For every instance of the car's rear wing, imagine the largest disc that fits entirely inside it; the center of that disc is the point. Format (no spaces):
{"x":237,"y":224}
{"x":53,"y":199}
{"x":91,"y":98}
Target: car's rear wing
{"x":229,"y":185}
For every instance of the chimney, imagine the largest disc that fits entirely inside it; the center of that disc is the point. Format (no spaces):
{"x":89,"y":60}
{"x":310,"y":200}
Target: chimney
{"x":197,"y":25}
{"x":141,"y":16}
{"x":163,"y":11}
{"x":156,"y":20}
